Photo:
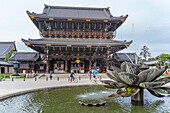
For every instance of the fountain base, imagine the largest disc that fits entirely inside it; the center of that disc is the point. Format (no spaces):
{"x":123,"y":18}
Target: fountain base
{"x":138,"y":97}
{"x":101,"y":103}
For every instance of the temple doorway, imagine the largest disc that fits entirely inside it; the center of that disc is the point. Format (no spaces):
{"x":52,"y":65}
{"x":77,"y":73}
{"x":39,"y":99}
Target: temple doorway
{"x":77,"y":67}
{"x":2,"y":70}
{"x":58,"y":66}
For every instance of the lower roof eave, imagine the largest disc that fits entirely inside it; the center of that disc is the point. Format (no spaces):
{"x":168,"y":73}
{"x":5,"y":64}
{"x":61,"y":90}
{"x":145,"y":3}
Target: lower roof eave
{"x":79,"y":43}
{"x":38,"y":45}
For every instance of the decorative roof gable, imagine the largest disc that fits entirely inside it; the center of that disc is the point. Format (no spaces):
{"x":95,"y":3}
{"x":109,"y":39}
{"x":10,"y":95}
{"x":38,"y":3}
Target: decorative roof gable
{"x":6,"y":47}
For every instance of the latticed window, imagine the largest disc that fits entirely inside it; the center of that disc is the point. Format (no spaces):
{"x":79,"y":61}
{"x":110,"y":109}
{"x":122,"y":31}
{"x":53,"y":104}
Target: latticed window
{"x":24,"y":65}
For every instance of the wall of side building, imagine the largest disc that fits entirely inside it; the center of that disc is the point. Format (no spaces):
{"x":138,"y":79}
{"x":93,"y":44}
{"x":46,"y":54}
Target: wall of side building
{"x":6,"y":70}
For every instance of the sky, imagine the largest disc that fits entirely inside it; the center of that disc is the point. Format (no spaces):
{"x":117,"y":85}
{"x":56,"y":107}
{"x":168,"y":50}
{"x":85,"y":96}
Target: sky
{"x":148,"y":23}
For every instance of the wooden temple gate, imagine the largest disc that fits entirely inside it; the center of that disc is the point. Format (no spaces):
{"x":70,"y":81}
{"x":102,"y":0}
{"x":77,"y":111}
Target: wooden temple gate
{"x":68,"y":63}
{"x":72,"y":41}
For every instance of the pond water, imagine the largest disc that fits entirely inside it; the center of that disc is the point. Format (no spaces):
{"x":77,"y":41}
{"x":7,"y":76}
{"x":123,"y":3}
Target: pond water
{"x":66,"y":101}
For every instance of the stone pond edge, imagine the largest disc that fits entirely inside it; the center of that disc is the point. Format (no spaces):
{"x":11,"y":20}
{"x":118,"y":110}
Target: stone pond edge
{"x":44,"y":89}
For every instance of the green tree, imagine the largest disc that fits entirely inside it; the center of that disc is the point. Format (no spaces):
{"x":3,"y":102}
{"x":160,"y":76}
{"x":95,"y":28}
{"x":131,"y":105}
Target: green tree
{"x":8,"y":55}
{"x":151,"y":59}
{"x":145,"y":52}
{"x":162,"y":59}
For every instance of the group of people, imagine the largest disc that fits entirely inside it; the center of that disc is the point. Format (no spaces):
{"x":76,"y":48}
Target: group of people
{"x":89,"y":73}
{"x":94,"y":73}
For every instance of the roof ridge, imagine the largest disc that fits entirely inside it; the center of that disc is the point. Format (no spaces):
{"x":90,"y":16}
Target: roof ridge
{"x":7,"y":42}
{"x":76,"y":7}
{"x":131,"y":52}
{"x":26,"y":52}
{"x":10,"y":46}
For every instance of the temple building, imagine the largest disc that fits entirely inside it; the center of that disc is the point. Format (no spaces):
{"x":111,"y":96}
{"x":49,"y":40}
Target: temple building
{"x":7,"y":49}
{"x":76,"y":37}
{"x":28,"y":62}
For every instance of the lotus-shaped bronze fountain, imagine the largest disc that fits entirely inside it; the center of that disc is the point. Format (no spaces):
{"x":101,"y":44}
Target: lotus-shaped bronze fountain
{"x":129,"y":80}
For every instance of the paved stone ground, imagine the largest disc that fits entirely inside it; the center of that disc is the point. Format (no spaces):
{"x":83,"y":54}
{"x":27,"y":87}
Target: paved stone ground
{"x":9,"y":88}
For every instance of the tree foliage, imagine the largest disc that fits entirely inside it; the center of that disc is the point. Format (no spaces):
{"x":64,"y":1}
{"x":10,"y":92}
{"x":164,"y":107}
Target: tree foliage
{"x":149,"y":59}
{"x":162,"y":60}
{"x":145,"y":52}
{"x":8,"y":55}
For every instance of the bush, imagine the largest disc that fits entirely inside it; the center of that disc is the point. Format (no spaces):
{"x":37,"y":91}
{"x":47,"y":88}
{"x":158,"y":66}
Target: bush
{"x":5,"y":75}
{"x":8,"y":75}
{"x":166,"y":74}
{"x":22,"y":75}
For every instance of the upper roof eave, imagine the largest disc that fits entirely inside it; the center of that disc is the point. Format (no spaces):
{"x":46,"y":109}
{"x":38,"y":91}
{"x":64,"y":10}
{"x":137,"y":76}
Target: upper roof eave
{"x":42,"y":16}
{"x":11,"y":42}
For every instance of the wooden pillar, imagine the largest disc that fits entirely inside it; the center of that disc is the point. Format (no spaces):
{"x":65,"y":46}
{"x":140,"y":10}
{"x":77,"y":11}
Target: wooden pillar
{"x":80,"y":66}
{"x":33,"y":66}
{"x":107,"y":62}
{"x":47,"y":62}
{"x":39,"y":68}
{"x":47,"y":66}
{"x":90,"y":59}
{"x":66,"y":64}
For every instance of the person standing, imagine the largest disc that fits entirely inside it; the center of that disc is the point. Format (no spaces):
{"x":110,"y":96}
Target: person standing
{"x":89,"y":73}
{"x":51,"y":75}
{"x":166,"y":72}
{"x":95,"y":75}
{"x":77,"y":70}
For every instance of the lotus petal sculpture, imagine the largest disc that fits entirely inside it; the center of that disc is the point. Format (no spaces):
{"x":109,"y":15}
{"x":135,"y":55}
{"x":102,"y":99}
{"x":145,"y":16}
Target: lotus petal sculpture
{"x":129,"y":80}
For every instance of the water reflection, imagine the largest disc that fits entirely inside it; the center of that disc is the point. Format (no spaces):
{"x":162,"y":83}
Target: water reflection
{"x":66,"y":101}
{"x":20,"y":104}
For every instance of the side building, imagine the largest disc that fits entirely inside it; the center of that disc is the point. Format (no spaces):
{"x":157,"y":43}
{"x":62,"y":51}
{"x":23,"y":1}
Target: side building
{"x":28,"y":62}
{"x":7,"y":49}
{"x":76,"y":37}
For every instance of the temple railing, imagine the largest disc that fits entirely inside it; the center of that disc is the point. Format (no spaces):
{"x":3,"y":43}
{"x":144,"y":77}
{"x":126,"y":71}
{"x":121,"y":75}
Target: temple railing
{"x":77,"y":34}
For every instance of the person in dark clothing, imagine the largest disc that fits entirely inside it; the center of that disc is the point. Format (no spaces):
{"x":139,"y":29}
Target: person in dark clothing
{"x":72,"y":75}
{"x":90,"y":72}
{"x":51,"y":76}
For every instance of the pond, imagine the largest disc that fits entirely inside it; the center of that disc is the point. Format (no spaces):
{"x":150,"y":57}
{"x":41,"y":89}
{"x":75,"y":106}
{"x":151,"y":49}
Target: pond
{"x":66,"y":100}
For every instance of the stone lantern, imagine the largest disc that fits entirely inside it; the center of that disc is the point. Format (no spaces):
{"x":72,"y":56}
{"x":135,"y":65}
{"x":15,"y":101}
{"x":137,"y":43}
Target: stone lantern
{"x":15,"y":66}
